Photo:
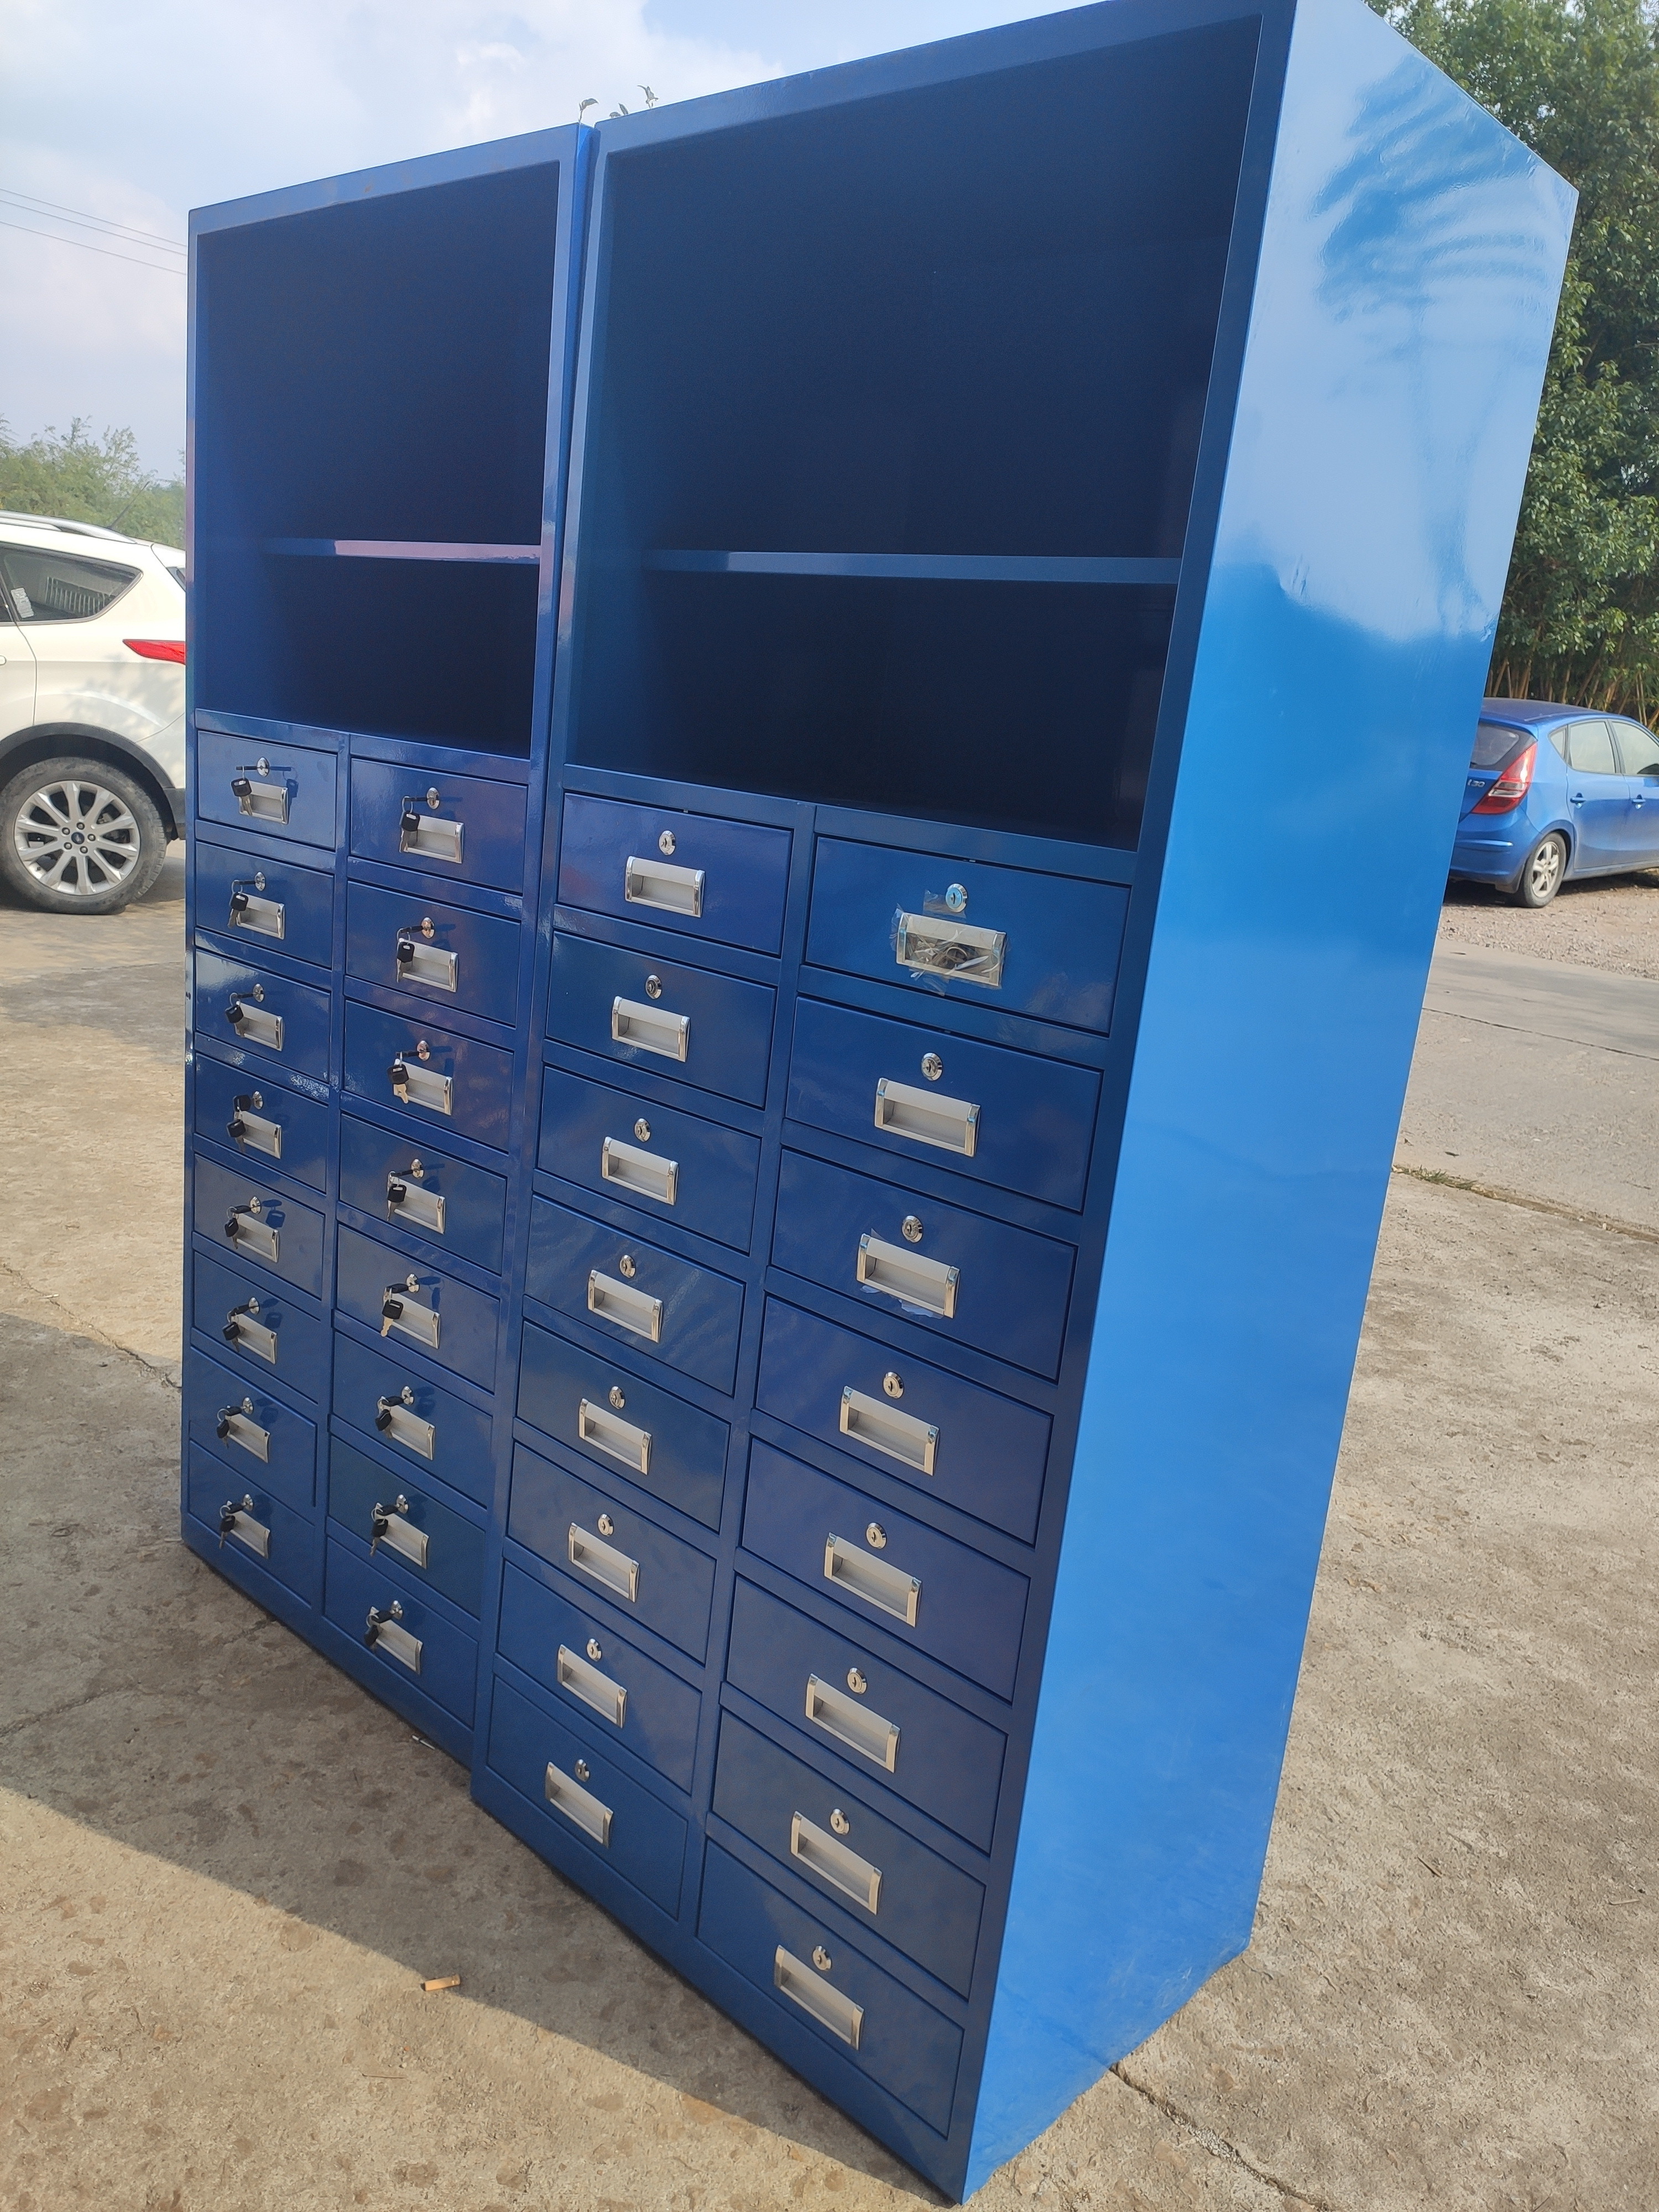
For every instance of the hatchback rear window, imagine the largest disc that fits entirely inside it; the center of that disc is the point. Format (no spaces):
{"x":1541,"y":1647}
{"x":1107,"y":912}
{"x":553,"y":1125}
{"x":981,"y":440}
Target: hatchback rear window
{"x":1493,"y":743}
{"x":46,"y":586}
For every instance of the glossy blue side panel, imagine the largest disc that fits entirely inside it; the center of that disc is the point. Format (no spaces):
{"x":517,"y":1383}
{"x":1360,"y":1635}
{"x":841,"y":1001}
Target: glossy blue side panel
{"x":1409,"y":271}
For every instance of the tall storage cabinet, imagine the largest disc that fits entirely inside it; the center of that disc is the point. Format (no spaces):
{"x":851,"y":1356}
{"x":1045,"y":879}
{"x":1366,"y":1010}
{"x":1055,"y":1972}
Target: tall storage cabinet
{"x":822,"y":1377}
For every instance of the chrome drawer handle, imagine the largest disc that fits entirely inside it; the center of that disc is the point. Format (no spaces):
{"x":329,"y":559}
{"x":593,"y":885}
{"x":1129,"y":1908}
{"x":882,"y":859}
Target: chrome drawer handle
{"x":654,"y":883}
{"x":951,"y":1124}
{"x":578,"y":1805}
{"x":406,"y":1201}
{"x":254,"y":1025}
{"x":956,"y":949}
{"x":401,"y":1310}
{"x":388,"y":1526}
{"x":826,"y":1855}
{"x":822,"y":1999}
{"x":901,"y":1436}
{"x":384,"y":1631}
{"x":630,"y":1308}
{"x":620,"y":1440}
{"x":238,"y":1521}
{"x":930,"y":1284}
{"x":252,"y":1131}
{"x":652,"y":1028}
{"x":261,"y":917}
{"x":236,"y":1424}
{"x":393,"y":1418}
{"x":852,"y":1724}
{"x":249,"y":1234}
{"x":267,"y":802}
{"x":420,"y":832}
{"x":646,"y":1174}
{"x":607,"y":1698}
{"x":417,"y":962}
{"x":890,"y":1589}
{"x":421,"y":1086}
{"x":604,"y":1564}
{"x":250,"y":1335}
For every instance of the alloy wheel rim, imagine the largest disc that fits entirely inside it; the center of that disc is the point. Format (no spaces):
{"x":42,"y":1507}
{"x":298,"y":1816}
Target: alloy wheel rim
{"x":1546,"y":866}
{"x":77,"y":839}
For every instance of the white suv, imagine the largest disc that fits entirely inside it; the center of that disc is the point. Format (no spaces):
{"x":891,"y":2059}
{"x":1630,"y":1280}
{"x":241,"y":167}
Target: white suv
{"x":92,"y":712}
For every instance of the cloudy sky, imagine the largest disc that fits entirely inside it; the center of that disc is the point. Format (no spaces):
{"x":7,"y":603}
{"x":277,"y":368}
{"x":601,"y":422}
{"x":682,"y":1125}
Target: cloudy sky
{"x":116,"y":120}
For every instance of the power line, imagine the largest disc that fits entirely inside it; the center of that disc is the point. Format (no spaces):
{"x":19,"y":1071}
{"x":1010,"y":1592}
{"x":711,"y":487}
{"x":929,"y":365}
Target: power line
{"x":159,"y":267}
{"x":100,"y":222}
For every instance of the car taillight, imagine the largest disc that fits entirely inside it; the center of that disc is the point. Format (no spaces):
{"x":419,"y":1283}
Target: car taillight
{"x":157,"y":649}
{"x":1512,"y":787}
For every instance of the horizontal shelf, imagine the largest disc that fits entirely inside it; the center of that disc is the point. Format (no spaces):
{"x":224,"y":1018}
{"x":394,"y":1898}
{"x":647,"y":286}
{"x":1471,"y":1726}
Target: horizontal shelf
{"x":946,"y":568}
{"x":402,"y":549}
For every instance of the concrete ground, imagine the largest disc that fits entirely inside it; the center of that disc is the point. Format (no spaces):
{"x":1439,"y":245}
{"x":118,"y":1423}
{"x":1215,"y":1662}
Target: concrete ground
{"x":224,"y":1870}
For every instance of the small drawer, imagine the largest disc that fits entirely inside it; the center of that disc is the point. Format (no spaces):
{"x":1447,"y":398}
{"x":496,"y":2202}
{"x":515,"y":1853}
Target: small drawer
{"x":262,"y":1120}
{"x":689,"y":1170}
{"x":447,"y":1320}
{"x":251,"y":1433}
{"x":658,"y":1304}
{"x":391,"y":1513}
{"x":676,"y":1451}
{"x":405,"y":1182}
{"x":818,"y":1979}
{"x":433,"y":1430}
{"x":979,"y":1451}
{"x":462,"y":828}
{"x":962,"y":1609}
{"x":274,"y":904}
{"x":873,"y":1715}
{"x":258,"y":1223}
{"x":253,"y":1527}
{"x":1009,"y":937}
{"x":603,"y":1676}
{"x":974,"y":1281}
{"x":262,"y":1333}
{"x":924,"y":1906}
{"x":440,"y":1080}
{"x":581,"y":1795}
{"x":276,"y":788}
{"x":994,"y":1115}
{"x":609,"y":1549}
{"x":447,"y":954}
{"x":712,"y":1031}
{"x":413,"y":1642}
{"x":725,"y":881}
{"x":265,"y":1014}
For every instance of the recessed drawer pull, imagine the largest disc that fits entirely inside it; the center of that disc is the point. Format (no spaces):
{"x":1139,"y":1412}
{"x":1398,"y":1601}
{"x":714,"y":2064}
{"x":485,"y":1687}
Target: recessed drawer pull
{"x":254,"y":1132}
{"x":956,"y":949}
{"x":423,"y":834}
{"x":621,"y":1303}
{"x":906,"y":1276}
{"x":829,"y":1858}
{"x":951,"y":1124}
{"x":261,"y":917}
{"x":652,"y":1028}
{"x":393,"y":1418}
{"x":267,"y":802}
{"x":406,"y":1201}
{"x":250,"y":1335}
{"x":646,"y":1174}
{"x":254,"y":1025}
{"x":852,"y":1724}
{"x":887,"y":1588}
{"x":235,"y":1425}
{"x":884,"y":1429}
{"x":604,"y":1564}
{"x":654,"y":883}
{"x":238,"y":1521}
{"x":598,"y":1426}
{"x":607,"y":1698}
{"x":578,"y":1805}
{"x":249,"y":1234}
{"x":417,"y":963}
{"x":384,"y":1631}
{"x":822,"y":1999}
{"x":388,"y":1527}
{"x":421,"y":1086}
{"x":400,"y":1308}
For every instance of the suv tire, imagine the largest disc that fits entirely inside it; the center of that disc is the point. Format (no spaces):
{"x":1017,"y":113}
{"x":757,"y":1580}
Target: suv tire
{"x":78,"y":836}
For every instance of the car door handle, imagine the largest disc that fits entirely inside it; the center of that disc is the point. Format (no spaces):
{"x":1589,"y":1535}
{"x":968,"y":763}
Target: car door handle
{"x":1576,"y":797}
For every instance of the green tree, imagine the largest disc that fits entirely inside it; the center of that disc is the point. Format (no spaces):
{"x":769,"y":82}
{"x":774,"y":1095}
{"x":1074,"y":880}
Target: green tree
{"x":82,"y":478}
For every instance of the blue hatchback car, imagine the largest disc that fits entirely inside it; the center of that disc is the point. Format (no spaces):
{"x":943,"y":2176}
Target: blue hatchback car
{"x":1555,"y":794}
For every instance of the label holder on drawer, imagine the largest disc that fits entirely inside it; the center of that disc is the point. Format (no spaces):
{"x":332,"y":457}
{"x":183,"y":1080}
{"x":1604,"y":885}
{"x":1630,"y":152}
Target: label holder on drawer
{"x":935,"y":946}
{"x":255,"y":1025}
{"x":252,"y":1131}
{"x":822,"y":1999}
{"x":261,"y":917}
{"x":835,"y":1863}
{"x":414,"y":961}
{"x":579,"y":1806}
{"x":388,"y":1526}
{"x":250,"y":1335}
{"x":236,"y":1424}
{"x":669,"y":890}
{"x":421,"y":1086}
{"x":618,"y":1439}
{"x":598,"y":1692}
{"x":421,"y":833}
{"x":951,"y":1125}
{"x":406,"y":1201}
{"x":249,"y":1233}
{"x":931,"y":1285}
{"x":630,"y":1308}
{"x":902,"y":1436}
{"x":264,"y":801}
{"x":641,"y":1173}
{"x":888,"y":1589}
{"x":395,"y":1417}
{"x":385,"y":1632}
{"x":238,"y":1521}
{"x":401,"y":1310}
{"x":652,"y":1028}
{"x":604,"y":1564}
{"x":868,"y":1733}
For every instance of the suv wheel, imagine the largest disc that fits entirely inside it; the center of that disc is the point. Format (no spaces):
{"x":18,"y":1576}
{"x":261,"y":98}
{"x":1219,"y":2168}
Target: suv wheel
{"x":78,"y":836}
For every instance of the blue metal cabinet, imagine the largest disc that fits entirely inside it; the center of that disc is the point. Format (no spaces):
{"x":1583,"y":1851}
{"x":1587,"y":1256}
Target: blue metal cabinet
{"x":262,"y":1329}
{"x":269,"y":906}
{"x":690,"y":1025}
{"x":688,"y":873}
{"x":446,"y":955}
{"x":253,"y":1114}
{"x":278,"y":789}
{"x":462,"y":828}
{"x":690,"y":1171}
{"x":424,"y":1192}
{"x":657,"y":1303}
{"x":417,"y":1307}
{"x":440,"y":1080}
{"x":434,"y":1431}
{"x":270,"y":1017}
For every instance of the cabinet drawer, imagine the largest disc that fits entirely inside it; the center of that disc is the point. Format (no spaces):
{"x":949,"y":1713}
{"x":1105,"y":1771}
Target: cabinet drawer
{"x":910,"y":2051}
{"x":413,"y":1642}
{"x":263,"y":1332}
{"x":253,"y":1526}
{"x":275,"y":903}
{"x":474,"y":834}
{"x":962,"y":1609}
{"x":405,"y":1181}
{"x":676,"y":1451}
{"x":262,"y":1120}
{"x":946,"y":1762}
{"x":263,"y":1440}
{"x":440,"y":1080}
{"x":1004,"y":1291}
{"x":990,"y":1114}
{"x":448,"y":1320}
{"x":256,"y":1222}
{"x":651,"y":1300}
{"x":689,"y":1170}
{"x":431,"y":1429}
{"x":1010,"y":937}
{"x":685,"y":1024}
{"x":446,"y":954}
{"x":426,"y":1536}
{"x":600,"y":1675}
{"x":978,"y":1450}
{"x":606,"y":1811}
{"x":277,"y":789}
{"x":924,"y":1906}
{"x":608,"y":1548}
{"x":690,"y":872}
{"x":265,"y":1014}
